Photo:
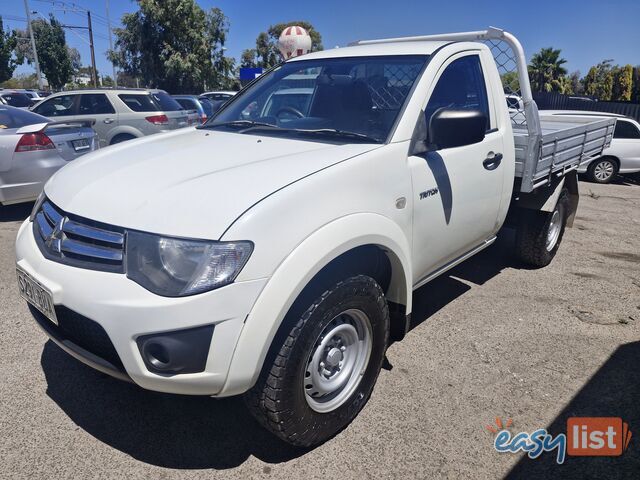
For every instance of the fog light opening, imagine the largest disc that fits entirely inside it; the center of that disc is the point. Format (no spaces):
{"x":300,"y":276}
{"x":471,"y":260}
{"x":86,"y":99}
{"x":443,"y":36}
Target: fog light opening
{"x":157,"y":355}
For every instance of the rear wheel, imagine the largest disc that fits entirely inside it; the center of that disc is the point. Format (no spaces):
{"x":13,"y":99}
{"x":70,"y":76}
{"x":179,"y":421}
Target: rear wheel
{"x":325,"y":369}
{"x":539,"y":233}
{"x":602,"y":170}
{"x":123,"y":137}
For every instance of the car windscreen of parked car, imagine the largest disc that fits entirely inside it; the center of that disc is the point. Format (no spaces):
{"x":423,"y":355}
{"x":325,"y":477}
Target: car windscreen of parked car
{"x":356,"y":98}
{"x":16,"y":118}
{"x":154,"y":102}
{"x":17,"y":99}
{"x":625,"y":130}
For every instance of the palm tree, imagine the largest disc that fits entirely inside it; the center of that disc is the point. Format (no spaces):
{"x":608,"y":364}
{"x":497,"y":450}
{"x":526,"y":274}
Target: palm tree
{"x":546,"y":70}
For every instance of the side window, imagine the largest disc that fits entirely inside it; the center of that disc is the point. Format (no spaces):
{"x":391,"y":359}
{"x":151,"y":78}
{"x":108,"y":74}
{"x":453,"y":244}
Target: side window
{"x":138,"y":103}
{"x":626,"y":130}
{"x":95,"y":104}
{"x":460,"y":87}
{"x":57,"y":107}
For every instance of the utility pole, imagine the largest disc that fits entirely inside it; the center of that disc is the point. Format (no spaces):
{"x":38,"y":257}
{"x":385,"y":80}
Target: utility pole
{"x":115,"y":76}
{"x":94,"y":72}
{"x":33,"y":44}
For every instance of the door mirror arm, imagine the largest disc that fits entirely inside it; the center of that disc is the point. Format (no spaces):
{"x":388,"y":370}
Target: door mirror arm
{"x":419,"y":138}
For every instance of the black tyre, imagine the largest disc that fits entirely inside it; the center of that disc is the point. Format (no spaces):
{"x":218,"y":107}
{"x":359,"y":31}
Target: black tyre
{"x":123,"y":137}
{"x":324,"y":371}
{"x":602,"y":170}
{"x":539,"y":233}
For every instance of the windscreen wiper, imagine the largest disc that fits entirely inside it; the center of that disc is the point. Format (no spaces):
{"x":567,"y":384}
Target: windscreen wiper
{"x":334,"y":132}
{"x":241,"y":124}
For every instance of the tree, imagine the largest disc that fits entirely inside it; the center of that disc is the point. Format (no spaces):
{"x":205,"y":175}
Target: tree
{"x":53,"y":53}
{"x":22,"y":80}
{"x":577,"y":88}
{"x":510,"y":82}
{"x":8,"y":62}
{"x":74,"y":57}
{"x":635,"y":94}
{"x":599,"y":80}
{"x":267,"y":42}
{"x":622,"y":83}
{"x":174,"y":45}
{"x":546,"y":71}
{"x":248,"y":58}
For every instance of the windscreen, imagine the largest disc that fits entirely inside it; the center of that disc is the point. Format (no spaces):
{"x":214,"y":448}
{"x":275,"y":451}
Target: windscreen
{"x":17,"y":118}
{"x":353,"y":95}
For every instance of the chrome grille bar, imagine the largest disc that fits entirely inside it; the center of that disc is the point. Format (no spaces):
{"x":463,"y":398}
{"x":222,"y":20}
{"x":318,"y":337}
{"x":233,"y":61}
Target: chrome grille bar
{"x":78,"y":242}
{"x":93,"y":251}
{"x":52,"y":215}
{"x":93,"y":233}
{"x":45,"y":229}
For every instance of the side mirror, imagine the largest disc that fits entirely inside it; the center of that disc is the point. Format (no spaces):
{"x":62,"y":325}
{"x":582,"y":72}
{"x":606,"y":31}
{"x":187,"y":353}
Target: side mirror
{"x":454,"y":128}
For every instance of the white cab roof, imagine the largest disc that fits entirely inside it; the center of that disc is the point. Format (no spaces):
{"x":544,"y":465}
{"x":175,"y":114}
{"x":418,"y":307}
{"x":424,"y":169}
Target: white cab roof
{"x":378,"y":49}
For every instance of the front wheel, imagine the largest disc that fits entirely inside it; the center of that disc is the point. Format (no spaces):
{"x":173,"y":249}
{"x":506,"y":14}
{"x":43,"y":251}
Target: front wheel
{"x":602,"y":170}
{"x":539,"y":233}
{"x":325,"y":369}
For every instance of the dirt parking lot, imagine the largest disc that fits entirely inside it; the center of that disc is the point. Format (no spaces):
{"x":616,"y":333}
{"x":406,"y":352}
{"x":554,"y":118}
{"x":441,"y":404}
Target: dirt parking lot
{"x":490,"y":339}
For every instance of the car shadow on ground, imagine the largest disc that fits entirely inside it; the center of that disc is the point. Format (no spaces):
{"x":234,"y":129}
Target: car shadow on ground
{"x":15,"y":213}
{"x":477,"y":270}
{"x":613,"y":391}
{"x":186,"y":432}
{"x":172,"y":431}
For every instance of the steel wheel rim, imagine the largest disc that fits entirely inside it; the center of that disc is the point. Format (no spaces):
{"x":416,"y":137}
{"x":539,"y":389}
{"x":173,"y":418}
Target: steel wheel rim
{"x":555,"y":226}
{"x":603,"y":170}
{"x":338,"y":360}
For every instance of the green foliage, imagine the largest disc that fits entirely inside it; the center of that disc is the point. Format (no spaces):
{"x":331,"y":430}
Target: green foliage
{"x":599,"y":81}
{"x":622,"y":83}
{"x":174,"y":45}
{"x":248,"y":58}
{"x":510,"y":82}
{"x":267,"y":42}
{"x":546,"y":71}
{"x":635,"y":91}
{"x":53,"y":53}
{"x":8,"y":62}
{"x":576,"y":85}
{"x":21,"y":81}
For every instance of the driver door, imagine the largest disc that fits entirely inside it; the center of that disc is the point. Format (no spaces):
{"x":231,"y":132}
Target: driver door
{"x":457,"y":190}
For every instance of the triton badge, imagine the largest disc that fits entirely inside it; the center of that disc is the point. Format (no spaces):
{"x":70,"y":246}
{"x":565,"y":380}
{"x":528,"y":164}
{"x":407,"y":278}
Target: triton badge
{"x":428,"y":193}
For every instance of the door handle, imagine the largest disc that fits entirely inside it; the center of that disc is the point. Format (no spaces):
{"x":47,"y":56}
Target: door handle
{"x":492,"y":161}
{"x":108,"y":120}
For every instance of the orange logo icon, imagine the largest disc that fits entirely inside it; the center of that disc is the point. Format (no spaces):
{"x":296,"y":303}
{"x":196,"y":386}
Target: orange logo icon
{"x":597,"y":436}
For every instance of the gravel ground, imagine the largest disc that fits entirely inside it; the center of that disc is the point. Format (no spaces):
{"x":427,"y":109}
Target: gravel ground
{"x":491,"y":339}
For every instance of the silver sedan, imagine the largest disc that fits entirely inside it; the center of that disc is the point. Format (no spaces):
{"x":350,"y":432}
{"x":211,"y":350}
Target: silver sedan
{"x":32,"y":148}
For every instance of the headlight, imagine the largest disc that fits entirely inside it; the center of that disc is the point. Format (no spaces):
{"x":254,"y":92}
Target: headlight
{"x":37,"y":205}
{"x":175,"y":267}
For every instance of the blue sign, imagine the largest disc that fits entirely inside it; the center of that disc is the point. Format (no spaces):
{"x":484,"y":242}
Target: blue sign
{"x":250,"y":73}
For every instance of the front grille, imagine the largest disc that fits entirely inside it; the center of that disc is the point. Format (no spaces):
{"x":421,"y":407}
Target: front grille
{"x":77,"y":241}
{"x":82,"y":331}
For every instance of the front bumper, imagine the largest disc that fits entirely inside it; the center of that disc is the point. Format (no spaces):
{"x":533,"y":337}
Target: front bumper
{"x":127,"y":311}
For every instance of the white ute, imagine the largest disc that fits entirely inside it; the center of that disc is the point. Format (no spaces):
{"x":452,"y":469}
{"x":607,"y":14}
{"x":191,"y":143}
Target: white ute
{"x":274,"y":256}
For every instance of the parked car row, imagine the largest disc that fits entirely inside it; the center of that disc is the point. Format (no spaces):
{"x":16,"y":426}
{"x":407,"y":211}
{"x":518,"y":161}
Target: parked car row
{"x":63,"y":126}
{"x":32,"y":148}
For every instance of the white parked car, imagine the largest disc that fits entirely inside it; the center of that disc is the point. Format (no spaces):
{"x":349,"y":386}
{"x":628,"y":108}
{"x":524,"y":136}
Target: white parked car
{"x":276,"y":258}
{"x":623,"y":156}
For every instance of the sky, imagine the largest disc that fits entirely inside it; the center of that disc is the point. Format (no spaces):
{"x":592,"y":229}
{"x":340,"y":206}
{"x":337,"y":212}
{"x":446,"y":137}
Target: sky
{"x":586,"y":31}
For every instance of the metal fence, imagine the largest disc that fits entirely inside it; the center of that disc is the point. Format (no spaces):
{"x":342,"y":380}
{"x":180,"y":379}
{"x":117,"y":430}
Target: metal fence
{"x":558,"y":101}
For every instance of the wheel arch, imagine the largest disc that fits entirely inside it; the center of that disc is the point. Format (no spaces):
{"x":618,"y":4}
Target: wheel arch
{"x":346,"y":246}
